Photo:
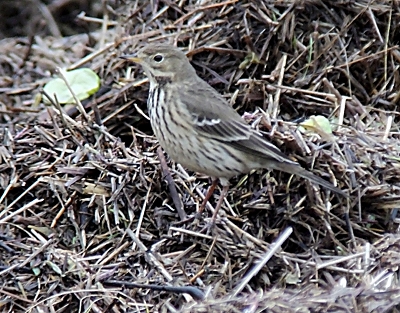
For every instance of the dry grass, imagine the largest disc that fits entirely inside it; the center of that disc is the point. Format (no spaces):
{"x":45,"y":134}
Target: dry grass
{"x":89,"y":219}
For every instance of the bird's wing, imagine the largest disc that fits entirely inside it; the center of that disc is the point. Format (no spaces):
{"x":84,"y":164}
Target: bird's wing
{"x":217,"y":120}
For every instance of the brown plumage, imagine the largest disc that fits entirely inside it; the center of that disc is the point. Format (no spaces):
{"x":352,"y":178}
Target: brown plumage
{"x":198,"y":128}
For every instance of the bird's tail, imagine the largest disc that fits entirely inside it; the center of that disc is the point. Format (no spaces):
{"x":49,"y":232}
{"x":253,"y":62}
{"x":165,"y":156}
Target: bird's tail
{"x":298,"y":170}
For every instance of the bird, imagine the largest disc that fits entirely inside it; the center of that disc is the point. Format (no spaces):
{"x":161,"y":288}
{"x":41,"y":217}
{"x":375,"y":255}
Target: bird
{"x":199,"y":129}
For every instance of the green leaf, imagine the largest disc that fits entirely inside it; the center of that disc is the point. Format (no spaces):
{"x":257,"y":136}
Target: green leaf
{"x":54,"y":267}
{"x":83,"y":82}
{"x":292,"y":279}
{"x":318,"y":124}
{"x":36,"y":271}
{"x":251,"y":58}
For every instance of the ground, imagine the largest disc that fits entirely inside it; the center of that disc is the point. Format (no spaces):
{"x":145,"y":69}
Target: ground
{"x":94,"y":217}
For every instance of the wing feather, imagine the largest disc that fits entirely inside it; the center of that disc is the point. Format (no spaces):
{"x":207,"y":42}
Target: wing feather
{"x":219,"y":121}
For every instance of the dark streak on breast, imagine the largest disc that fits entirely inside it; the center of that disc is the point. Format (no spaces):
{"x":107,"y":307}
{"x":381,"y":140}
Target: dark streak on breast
{"x":162,"y":80}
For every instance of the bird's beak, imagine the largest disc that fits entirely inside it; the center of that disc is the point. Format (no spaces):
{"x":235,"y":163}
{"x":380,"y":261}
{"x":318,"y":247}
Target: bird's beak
{"x":132,"y":58}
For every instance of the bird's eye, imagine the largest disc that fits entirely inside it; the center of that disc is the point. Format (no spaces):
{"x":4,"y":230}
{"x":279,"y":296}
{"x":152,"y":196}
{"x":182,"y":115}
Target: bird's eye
{"x":158,"y":58}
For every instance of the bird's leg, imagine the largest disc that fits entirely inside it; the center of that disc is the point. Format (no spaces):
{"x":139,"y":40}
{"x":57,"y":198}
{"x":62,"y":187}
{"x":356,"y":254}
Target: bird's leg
{"x":224,"y":192}
{"x":209,"y":193}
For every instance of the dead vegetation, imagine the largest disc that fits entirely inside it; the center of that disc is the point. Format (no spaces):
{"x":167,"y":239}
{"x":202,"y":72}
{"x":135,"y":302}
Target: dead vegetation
{"x":89,"y":219}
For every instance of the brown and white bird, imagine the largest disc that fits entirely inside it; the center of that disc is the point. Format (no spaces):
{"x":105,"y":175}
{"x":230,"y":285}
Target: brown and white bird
{"x":199,"y":129}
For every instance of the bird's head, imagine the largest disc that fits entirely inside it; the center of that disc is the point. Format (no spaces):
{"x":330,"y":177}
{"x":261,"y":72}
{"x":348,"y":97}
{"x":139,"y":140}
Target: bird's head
{"x":163,"y":62}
